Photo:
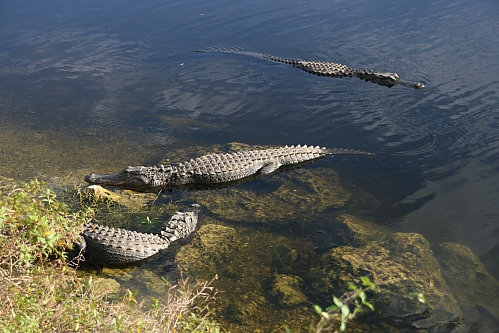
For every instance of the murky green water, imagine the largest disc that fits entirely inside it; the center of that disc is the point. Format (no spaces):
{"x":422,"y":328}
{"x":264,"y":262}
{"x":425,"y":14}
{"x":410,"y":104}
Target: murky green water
{"x":93,"y":87}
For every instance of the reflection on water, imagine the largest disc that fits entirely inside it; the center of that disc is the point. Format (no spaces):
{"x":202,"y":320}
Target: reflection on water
{"x":91,"y":87}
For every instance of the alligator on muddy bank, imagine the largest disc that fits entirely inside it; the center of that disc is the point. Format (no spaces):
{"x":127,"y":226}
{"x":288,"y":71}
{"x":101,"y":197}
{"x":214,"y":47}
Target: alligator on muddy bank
{"x":215,"y":168}
{"x":321,"y":68}
{"x":104,"y":246}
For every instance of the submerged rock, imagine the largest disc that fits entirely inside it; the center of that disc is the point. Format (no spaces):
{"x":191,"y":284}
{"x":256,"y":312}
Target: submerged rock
{"x":247,"y":309}
{"x":357,"y":232}
{"x":211,"y":246}
{"x":474,"y":288}
{"x":108,"y":287}
{"x":286,"y":290}
{"x":149,"y":281}
{"x":247,"y":262}
{"x":400,"y":265}
{"x":296,"y":197}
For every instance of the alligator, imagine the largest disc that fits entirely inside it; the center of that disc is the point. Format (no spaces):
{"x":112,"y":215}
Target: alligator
{"x":104,"y":246}
{"x":222,"y":168}
{"x":320,"y":68}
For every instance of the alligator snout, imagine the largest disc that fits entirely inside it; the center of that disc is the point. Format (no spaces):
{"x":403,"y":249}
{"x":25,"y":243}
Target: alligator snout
{"x":91,"y":178}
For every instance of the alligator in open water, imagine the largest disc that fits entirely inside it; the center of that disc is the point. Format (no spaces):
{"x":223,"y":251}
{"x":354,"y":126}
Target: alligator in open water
{"x":214,"y":169}
{"x":329,"y":69}
{"x":104,"y":246}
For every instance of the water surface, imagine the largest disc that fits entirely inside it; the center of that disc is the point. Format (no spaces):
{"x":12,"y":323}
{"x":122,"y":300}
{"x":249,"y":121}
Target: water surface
{"x":89,"y":87}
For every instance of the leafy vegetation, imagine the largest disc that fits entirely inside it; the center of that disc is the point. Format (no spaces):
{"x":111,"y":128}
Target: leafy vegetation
{"x":35,"y":225}
{"x":345,"y":308}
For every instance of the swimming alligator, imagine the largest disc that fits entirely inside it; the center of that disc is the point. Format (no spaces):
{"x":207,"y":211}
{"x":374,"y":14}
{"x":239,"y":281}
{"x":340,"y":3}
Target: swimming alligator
{"x":320,"y":68}
{"x":222,"y":169}
{"x":104,"y":246}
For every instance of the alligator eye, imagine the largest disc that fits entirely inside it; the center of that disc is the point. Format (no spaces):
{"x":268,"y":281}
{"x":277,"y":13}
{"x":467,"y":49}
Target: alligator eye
{"x":145,"y":179}
{"x":128,"y":169}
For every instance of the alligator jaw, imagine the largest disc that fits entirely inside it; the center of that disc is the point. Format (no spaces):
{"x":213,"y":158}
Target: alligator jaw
{"x":415,"y":85}
{"x":120,"y":179}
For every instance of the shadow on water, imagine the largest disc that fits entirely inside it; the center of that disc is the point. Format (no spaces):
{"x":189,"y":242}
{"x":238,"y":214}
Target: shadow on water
{"x":92,"y":87}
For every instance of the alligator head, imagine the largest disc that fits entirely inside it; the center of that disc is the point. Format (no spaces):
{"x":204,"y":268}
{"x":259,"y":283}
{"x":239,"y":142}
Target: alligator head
{"x":139,"y":178}
{"x":386,"y":79}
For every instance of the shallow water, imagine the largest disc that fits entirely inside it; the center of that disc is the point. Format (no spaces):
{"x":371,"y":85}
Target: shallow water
{"x":89,"y":87}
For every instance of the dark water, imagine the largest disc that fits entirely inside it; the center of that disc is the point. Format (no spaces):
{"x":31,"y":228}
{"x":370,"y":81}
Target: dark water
{"x":87,"y":86}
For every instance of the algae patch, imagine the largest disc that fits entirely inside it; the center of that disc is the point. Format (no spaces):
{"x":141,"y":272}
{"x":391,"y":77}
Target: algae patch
{"x":286,"y":290}
{"x":211,"y":246}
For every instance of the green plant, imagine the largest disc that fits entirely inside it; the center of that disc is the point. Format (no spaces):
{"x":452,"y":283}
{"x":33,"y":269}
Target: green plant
{"x":420,"y":296}
{"x":34,"y":224}
{"x":345,"y":308}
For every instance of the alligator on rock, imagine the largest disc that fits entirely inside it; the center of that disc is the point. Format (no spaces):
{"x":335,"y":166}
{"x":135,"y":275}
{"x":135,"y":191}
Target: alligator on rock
{"x":320,"y":68}
{"x":215,"y":169}
{"x":104,"y":246}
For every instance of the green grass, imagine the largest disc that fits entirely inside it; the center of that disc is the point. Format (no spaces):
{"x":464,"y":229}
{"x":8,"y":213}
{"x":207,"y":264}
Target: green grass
{"x":40,"y":293}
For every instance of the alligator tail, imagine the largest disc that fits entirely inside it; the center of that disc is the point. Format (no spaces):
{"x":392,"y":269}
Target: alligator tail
{"x":241,"y":51}
{"x":344,"y":151}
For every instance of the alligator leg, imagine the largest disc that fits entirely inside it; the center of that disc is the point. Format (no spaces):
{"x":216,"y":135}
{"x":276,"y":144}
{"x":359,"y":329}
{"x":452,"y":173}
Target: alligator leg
{"x":269,"y":168}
